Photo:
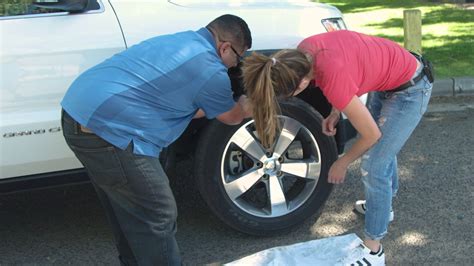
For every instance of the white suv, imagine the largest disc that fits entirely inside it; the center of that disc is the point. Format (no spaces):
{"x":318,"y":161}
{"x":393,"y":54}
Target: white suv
{"x":46,"y":44}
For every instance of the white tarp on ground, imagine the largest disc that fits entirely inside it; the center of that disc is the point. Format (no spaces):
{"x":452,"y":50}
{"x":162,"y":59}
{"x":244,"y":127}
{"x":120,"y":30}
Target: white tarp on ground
{"x":319,"y":252}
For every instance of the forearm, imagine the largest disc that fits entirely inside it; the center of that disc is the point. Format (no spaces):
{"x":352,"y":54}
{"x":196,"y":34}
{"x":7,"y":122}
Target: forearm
{"x":240,"y":111}
{"x":360,"y":146}
{"x":246,"y":106}
{"x":330,"y":122}
{"x":199,"y":114}
{"x":363,"y":122}
{"x":334,"y":111}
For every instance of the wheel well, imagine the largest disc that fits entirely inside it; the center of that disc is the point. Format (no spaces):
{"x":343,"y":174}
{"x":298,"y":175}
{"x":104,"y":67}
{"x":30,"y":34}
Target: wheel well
{"x":315,"y":97}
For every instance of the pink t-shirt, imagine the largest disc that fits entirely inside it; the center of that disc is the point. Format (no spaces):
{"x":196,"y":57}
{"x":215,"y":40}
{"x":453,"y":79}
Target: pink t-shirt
{"x":348,"y":63}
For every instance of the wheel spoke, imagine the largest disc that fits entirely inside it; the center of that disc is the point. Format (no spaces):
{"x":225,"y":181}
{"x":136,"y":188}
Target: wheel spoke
{"x":241,"y":185}
{"x":290,"y":130}
{"x":248,"y":143}
{"x":308,"y":169}
{"x":277,"y":197}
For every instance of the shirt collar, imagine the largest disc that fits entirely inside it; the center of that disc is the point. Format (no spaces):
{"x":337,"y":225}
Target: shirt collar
{"x":206,"y":34}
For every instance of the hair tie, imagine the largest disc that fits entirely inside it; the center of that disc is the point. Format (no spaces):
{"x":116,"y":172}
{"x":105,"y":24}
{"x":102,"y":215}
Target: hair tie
{"x":274,"y":61}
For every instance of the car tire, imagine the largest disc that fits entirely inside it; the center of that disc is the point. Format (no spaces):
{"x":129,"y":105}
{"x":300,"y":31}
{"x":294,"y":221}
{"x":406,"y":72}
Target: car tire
{"x":266,"y":193}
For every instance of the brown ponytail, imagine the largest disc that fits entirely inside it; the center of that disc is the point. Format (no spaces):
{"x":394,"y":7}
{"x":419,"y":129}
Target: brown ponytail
{"x":268,"y":77}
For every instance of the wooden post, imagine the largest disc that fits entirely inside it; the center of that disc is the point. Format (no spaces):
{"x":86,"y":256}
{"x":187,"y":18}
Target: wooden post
{"x":412,"y":30}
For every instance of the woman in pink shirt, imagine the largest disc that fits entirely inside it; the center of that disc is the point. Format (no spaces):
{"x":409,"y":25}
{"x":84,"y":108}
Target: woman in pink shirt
{"x":346,"y":65}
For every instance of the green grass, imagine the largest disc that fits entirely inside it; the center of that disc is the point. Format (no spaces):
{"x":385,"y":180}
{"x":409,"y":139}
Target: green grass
{"x":448,"y":30}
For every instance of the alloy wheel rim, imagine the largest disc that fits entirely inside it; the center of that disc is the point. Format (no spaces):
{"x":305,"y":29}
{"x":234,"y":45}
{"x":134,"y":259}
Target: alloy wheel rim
{"x":271,"y":183}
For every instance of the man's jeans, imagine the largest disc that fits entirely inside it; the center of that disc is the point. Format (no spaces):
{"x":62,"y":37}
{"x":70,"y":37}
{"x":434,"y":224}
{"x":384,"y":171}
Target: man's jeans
{"x":397,"y":114}
{"x":135,"y":193}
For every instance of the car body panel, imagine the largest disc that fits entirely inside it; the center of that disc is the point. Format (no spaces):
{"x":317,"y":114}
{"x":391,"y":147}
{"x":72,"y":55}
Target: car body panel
{"x":274,"y":24}
{"x":40,"y":57}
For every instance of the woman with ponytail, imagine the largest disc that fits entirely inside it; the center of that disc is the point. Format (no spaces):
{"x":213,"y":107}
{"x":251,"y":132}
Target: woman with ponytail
{"x":286,"y":73}
{"x":346,"y":65}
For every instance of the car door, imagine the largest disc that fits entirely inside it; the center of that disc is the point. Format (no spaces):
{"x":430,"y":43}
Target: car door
{"x":42,"y":51}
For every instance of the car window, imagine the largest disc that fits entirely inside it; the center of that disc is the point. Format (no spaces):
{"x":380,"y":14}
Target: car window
{"x":26,"y":7}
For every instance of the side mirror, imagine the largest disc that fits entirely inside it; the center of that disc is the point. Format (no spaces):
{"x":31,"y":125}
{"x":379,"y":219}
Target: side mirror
{"x":74,"y":6}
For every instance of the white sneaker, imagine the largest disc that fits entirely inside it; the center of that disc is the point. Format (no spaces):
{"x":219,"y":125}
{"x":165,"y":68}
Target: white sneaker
{"x":361,"y":208}
{"x":361,"y":256}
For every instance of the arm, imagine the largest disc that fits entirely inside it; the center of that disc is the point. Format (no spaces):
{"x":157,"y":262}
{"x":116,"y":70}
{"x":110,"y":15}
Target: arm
{"x":242,"y":109}
{"x":330,"y":122}
{"x":199,"y":114}
{"x":362,"y":120}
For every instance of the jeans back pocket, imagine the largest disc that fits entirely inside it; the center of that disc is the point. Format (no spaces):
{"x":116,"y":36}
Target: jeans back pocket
{"x":102,"y":164}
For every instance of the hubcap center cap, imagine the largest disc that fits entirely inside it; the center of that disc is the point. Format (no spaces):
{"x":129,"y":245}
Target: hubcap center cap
{"x":271,"y":166}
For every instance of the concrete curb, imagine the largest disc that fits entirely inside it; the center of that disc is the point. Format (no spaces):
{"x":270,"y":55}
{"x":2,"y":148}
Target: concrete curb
{"x":453,"y":86}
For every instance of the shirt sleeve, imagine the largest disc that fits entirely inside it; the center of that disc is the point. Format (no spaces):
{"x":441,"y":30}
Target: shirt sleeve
{"x":216,"y":96}
{"x":335,"y":82}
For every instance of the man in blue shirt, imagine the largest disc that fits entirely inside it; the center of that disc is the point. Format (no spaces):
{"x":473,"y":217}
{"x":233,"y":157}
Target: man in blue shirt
{"x":118,"y":115}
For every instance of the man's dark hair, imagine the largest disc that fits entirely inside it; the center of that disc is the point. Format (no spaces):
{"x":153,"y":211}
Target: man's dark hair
{"x":232,"y":29}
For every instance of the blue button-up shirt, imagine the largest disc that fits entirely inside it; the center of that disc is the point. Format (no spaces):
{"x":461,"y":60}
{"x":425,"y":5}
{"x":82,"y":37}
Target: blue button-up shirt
{"x":149,"y":93}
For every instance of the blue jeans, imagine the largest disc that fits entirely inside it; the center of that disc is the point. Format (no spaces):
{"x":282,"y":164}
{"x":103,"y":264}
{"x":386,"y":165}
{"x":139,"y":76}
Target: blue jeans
{"x":135,"y":193}
{"x":397,"y":115}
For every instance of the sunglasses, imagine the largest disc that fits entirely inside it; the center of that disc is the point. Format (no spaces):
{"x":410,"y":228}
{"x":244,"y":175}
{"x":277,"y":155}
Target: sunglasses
{"x":239,"y":58}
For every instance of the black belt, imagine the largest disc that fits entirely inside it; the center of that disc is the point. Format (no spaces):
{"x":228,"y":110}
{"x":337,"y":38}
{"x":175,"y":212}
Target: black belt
{"x":412,"y":81}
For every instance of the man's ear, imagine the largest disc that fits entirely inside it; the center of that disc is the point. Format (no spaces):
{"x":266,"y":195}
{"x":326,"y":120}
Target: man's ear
{"x":224,"y":46}
{"x":219,"y":48}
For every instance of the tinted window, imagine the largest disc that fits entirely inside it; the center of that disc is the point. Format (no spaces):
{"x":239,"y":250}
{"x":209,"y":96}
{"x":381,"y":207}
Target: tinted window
{"x":26,"y":7}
